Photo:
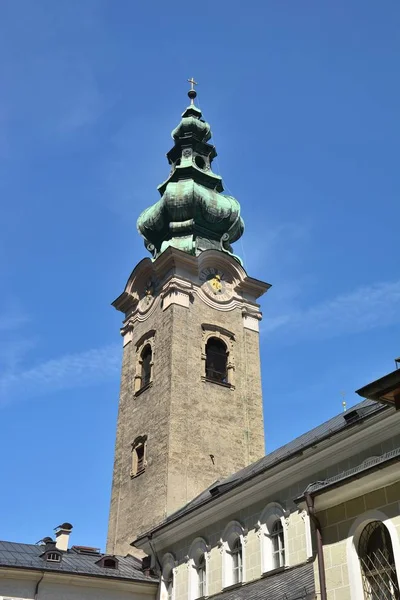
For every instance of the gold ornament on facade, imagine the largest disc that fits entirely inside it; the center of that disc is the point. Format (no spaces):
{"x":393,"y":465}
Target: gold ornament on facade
{"x":215,"y":284}
{"x":148,"y":295}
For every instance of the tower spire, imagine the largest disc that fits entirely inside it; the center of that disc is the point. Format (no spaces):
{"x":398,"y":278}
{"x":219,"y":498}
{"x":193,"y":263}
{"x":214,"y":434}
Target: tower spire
{"x":192,"y":92}
{"x":193,"y":214}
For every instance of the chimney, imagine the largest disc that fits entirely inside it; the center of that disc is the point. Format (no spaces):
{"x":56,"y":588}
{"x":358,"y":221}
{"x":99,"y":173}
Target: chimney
{"x":62,"y":536}
{"x":146,"y":565}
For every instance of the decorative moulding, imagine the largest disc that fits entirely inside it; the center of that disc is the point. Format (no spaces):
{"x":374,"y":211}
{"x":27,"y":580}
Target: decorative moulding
{"x":127,"y":331}
{"x":176,"y":296}
{"x":251,"y":322}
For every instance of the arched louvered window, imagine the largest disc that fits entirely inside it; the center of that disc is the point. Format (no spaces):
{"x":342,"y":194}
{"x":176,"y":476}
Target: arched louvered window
{"x":216,"y":360}
{"x":378,"y":568}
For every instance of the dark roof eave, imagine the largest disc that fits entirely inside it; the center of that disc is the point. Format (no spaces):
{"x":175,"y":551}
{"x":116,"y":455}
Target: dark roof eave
{"x":79,"y":574}
{"x":353,"y":477}
{"x":379,"y":389}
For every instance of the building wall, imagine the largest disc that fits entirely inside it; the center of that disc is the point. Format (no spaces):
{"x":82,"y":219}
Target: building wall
{"x":197,"y":431}
{"x":337,"y":524}
{"x":299,"y":535}
{"x":17,"y":586}
{"x":296,"y":552}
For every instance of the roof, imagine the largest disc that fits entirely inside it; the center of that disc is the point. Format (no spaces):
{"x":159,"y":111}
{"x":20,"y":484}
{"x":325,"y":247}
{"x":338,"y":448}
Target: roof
{"x":344,"y":420}
{"x":367,"y":465}
{"x":27,"y":556}
{"x":386,"y":389}
{"x":292,"y":584}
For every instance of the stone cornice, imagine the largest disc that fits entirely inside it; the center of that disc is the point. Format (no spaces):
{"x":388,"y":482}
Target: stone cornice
{"x":175,"y":269}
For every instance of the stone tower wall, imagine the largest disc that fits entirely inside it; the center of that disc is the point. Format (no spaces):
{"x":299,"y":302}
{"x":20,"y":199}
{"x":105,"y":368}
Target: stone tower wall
{"x":197,"y":431}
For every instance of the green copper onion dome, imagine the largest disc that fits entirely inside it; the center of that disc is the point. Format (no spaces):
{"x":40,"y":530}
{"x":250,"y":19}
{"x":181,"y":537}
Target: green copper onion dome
{"x":192,"y":214}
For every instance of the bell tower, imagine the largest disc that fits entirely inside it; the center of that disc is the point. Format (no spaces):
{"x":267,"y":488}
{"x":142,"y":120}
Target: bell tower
{"x":190,"y":409}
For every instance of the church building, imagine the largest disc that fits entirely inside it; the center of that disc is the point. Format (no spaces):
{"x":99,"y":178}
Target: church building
{"x":197,"y":508}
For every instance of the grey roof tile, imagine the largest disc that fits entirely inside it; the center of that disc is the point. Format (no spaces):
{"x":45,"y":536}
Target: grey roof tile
{"x":296,"y":583}
{"x":28,"y":556}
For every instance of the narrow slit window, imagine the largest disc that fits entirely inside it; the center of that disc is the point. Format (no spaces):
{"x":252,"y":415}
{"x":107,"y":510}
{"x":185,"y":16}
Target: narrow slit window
{"x":201,"y":577}
{"x":147,"y":361}
{"x":237,"y":562}
{"x":140,"y":458}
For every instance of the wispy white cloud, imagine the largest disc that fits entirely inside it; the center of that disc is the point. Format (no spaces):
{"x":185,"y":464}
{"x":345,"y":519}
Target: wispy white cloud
{"x":365,"y":308}
{"x":12,"y":320}
{"x":66,"y":372}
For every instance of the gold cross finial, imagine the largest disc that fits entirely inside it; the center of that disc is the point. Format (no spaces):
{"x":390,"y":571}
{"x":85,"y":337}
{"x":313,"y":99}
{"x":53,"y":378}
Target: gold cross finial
{"x":192,"y":92}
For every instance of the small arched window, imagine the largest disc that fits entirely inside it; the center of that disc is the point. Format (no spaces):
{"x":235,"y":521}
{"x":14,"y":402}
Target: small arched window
{"x":147,"y":361}
{"x":200,"y":162}
{"x":237,"y":561}
{"x":139,"y":463}
{"x":278,"y":545}
{"x":110,"y":563}
{"x":378,"y":568}
{"x":216,"y":360}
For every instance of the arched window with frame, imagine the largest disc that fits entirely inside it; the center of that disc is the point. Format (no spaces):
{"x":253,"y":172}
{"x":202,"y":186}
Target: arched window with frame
{"x":216,"y":360}
{"x":237,"y":561}
{"x":201,"y":576}
{"x":198,"y":555}
{"x":146,"y":365}
{"x":232,"y":544}
{"x":167,"y":578}
{"x":375,"y":552}
{"x":278,"y":545}
{"x":272,"y":532}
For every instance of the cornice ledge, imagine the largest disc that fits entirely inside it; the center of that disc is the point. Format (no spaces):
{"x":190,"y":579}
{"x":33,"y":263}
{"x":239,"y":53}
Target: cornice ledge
{"x":253,"y":287}
{"x":176,"y":284}
{"x":125,"y":303}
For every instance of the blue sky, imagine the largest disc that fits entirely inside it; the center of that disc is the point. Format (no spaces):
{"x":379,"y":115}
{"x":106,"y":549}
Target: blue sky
{"x":303,"y":99}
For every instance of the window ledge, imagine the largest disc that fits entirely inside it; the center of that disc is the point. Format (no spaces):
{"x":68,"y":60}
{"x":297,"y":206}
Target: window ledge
{"x":133,"y":475}
{"x":143,"y":389}
{"x":233,"y":586}
{"x":220,"y":383}
{"x":273,"y":572}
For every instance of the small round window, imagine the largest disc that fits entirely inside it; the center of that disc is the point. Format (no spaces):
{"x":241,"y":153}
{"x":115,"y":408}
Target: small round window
{"x":200,"y":162}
